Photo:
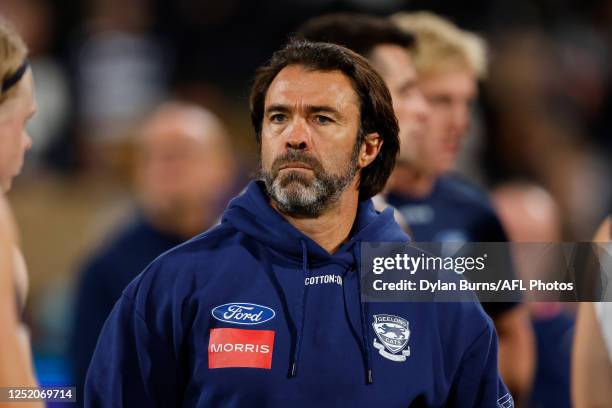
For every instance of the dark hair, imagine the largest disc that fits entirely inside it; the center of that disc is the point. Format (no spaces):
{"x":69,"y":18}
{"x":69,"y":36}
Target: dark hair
{"x":376,"y":108}
{"x":358,"y":32}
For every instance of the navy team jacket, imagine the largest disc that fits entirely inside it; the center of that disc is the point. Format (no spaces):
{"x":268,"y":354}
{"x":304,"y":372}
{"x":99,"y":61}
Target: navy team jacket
{"x":253,"y":313}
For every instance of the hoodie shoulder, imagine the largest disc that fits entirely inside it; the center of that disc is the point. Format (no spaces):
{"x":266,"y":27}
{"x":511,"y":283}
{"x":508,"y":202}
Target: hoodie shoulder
{"x":455,"y":187}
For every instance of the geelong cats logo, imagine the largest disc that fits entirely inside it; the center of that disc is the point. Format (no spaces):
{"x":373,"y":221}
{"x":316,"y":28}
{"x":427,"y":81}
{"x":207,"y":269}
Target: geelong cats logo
{"x":393,"y":332}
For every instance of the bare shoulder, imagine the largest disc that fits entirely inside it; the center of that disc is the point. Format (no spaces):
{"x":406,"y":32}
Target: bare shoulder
{"x":8,"y":231}
{"x":604,"y":231}
{"x":8,"y":237}
{"x":14,"y":279}
{"x":591,"y":368}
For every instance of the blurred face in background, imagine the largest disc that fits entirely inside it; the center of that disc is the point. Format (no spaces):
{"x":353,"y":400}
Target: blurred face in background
{"x":184,"y":163}
{"x":395,"y":66}
{"x":450,"y":95}
{"x":15,"y":112}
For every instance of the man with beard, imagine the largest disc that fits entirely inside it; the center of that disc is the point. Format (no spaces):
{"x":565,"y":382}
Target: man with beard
{"x":264,"y":310}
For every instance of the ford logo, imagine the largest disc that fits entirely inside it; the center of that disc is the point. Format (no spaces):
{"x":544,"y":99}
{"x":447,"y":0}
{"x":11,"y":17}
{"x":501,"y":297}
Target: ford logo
{"x":243,"y":313}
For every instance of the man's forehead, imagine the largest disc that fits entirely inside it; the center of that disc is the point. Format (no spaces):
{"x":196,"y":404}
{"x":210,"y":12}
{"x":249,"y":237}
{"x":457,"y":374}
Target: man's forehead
{"x":182,"y":121}
{"x":301,"y":85}
{"x":393,"y":59}
{"x":459,"y":80}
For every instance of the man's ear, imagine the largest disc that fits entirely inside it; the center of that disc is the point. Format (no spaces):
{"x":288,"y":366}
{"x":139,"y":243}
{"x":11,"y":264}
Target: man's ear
{"x":369,"y":149}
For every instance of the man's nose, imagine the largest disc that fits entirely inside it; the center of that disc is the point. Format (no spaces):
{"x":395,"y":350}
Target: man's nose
{"x":298,"y":135}
{"x":422,"y":107}
{"x":460,"y":120}
{"x":27,"y":141}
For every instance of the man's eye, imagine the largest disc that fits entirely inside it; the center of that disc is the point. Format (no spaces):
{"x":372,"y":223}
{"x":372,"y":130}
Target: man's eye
{"x":407,"y":90}
{"x":278,"y":118}
{"x":322,"y":120}
{"x":439,"y":100}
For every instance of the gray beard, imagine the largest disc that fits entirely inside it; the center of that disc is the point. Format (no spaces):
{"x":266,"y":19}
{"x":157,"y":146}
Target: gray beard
{"x":301,"y":196}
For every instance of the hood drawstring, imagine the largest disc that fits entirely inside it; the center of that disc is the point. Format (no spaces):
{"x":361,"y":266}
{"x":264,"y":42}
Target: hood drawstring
{"x":367,"y":350}
{"x":251,"y":214}
{"x":301,"y":317}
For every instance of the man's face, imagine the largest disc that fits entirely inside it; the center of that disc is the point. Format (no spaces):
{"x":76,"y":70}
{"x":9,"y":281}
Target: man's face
{"x":450,"y":95}
{"x":181,"y":163}
{"x":308,"y":139}
{"x":14,"y":139}
{"x":395,"y":66}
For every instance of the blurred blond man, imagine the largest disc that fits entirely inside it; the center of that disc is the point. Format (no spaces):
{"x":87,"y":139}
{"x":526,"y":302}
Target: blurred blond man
{"x":440,"y":205}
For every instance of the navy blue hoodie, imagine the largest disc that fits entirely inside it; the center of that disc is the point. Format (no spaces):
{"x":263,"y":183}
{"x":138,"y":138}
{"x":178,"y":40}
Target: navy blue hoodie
{"x":253,"y":313}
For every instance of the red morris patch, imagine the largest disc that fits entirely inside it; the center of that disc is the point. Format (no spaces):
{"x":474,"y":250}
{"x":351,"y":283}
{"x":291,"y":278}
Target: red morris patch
{"x":240,"y":348}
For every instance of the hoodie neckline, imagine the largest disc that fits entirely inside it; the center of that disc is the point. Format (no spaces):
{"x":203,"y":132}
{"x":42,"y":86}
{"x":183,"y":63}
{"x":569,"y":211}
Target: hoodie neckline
{"x":252,"y":213}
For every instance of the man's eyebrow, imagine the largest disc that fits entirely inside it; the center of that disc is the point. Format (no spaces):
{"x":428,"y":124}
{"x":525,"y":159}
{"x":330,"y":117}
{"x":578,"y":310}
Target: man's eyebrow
{"x":310,"y":109}
{"x":277,"y":108}
{"x":322,"y":109}
{"x":408,"y":84}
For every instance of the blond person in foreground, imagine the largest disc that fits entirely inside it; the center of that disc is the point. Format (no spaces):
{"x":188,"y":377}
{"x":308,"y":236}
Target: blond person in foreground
{"x":16,"y":107}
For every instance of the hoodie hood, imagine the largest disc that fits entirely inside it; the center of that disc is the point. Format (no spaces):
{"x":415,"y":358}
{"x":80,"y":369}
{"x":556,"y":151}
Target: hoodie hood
{"x":251,"y":213}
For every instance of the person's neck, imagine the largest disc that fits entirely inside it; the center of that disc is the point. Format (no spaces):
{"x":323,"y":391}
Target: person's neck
{"x":330,"y":229}
{"x":410,"y":181}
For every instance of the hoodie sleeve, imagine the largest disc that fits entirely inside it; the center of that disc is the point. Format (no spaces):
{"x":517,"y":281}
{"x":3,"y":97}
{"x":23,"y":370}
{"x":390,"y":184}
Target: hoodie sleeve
{"x":132,"y":366}
{"x":477,"y":382}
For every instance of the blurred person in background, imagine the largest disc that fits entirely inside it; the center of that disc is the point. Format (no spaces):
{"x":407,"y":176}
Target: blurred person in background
{"x":449,"y":63}
{"x":387,"y":49}
{"x":544,"y":106}
{"x":184,"y":172}
{"x":530,"y":214}
{"x":17,"y":106}
{"x":416,"y":173}
{"x":592,"y":353}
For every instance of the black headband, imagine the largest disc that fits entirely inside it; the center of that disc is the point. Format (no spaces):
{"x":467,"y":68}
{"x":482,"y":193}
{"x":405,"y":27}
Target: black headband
{"x":13,"y":79}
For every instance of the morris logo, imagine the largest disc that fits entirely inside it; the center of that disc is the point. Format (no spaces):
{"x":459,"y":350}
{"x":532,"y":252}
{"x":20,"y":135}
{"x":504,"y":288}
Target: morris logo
{"x":243,"y":313}
{"x":394,"y":333}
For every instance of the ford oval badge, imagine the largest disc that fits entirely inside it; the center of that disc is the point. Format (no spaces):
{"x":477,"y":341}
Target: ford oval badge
{"x":243,"y":313}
